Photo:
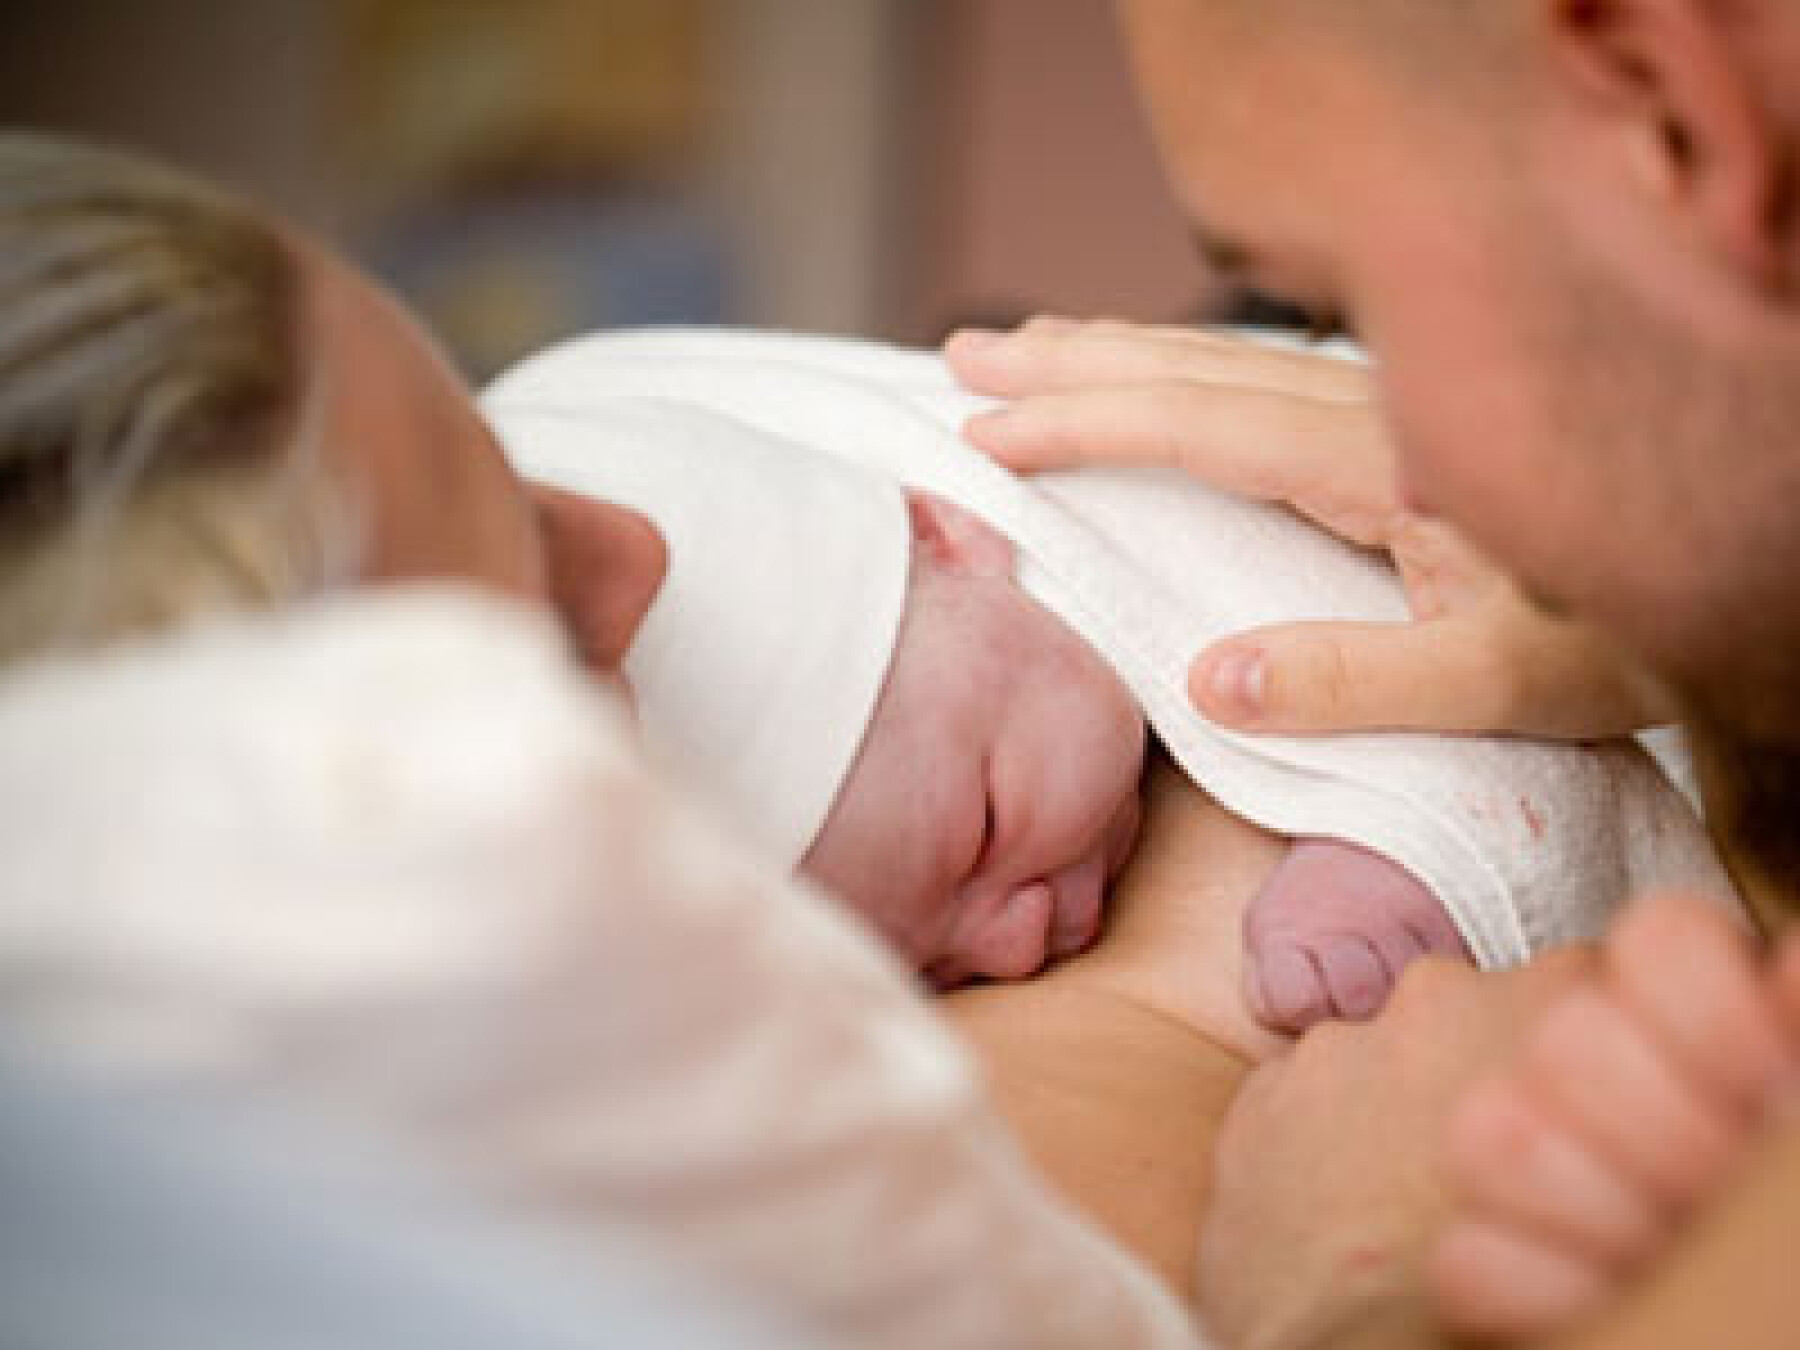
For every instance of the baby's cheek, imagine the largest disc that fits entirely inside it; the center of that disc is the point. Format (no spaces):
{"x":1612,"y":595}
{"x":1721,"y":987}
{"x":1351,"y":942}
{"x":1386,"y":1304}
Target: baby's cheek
{"x":844,"y":862}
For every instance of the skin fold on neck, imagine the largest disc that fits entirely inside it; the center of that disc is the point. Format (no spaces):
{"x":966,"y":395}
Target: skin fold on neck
{"x":1115,"y":1069}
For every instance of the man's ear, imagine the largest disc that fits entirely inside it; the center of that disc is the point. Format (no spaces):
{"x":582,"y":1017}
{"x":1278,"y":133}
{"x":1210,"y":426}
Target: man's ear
{"x":957,"y":539}
{"x":1688,"y":121}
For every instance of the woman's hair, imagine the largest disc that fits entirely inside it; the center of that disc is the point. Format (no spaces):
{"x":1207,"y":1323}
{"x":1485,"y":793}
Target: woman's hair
{"x":156,"y":461}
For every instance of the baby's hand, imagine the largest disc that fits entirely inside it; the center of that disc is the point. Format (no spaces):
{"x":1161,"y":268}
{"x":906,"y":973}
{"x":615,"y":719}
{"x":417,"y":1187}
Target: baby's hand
{"x":1331,"y":932}
{"x":1632,"y":1102}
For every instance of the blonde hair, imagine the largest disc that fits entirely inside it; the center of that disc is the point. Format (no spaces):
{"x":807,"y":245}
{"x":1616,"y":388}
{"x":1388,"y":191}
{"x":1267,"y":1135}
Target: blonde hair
{"x":155,"y":456}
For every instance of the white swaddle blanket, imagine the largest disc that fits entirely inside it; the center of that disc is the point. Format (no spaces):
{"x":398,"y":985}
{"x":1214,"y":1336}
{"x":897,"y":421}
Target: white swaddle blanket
{"x":1526,"y":845}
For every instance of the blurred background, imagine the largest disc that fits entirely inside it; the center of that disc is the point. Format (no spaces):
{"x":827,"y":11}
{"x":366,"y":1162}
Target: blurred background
{"x":526,"y":169}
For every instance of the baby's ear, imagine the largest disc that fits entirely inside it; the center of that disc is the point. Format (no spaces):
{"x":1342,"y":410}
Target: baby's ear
{"x":959,"y":540}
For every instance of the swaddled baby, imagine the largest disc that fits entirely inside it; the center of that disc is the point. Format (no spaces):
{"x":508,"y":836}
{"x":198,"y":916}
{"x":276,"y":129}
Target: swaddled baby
{"x":995,"y":794}
{"x":857,"y":673}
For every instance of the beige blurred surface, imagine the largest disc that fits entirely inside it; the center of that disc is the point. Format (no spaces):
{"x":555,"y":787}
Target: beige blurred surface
{"x":881,"y":167}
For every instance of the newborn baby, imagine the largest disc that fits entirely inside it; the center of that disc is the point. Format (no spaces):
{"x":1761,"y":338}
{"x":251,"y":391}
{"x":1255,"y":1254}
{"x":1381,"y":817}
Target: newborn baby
{"x":938,"y":709}
{"x":995,"y":794}
{"x":857,"y":673}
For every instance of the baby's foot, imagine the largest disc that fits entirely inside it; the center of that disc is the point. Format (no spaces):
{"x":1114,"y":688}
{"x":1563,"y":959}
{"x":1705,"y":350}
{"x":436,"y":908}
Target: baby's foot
{"x":1627,"y":1106}
{"x":1331,"y":932}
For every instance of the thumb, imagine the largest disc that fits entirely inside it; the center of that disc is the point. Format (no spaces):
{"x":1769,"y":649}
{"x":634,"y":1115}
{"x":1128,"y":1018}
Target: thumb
{"x":1436,"y":675}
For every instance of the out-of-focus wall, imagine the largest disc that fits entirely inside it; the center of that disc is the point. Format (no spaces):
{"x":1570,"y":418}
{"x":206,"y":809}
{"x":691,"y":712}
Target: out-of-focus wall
{"x":454,"y":144}
{"x":886,"y":167}
{"x":241,"y":89}
{"x":807,"y":166}
{"x":1040,"y":186}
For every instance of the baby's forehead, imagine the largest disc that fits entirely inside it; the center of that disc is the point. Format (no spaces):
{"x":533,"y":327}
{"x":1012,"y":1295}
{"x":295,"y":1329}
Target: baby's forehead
{"x":969,"y":647}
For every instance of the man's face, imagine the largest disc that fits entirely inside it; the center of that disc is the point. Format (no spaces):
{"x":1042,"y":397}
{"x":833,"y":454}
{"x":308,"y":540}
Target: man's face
{"x":1553,"y":385}
{"x":995,"y":793}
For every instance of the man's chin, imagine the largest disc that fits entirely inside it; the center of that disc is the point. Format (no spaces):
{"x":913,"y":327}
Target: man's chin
{"x":1751,"y":785}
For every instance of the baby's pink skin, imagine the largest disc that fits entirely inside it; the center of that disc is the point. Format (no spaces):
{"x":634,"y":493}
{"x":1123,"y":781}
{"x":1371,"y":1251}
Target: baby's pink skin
{"x":1331,"y":932}
{"x":994,"y":706}
{"x":996,"y":792}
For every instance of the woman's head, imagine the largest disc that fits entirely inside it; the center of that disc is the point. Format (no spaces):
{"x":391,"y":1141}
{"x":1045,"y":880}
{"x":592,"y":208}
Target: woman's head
{"x":200,"y":411}
{"x":153,"y":394}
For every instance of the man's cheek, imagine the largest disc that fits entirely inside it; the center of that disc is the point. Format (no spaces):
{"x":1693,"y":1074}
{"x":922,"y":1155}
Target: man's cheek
{"x":1457,"y":451}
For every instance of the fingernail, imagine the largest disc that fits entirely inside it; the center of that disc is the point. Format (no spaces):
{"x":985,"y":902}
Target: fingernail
{"x":1239,"y":682}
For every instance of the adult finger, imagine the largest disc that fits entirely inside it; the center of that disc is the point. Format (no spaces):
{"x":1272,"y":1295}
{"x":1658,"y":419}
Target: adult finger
{"x":1469,"y":672}
{"x":1597,"y":1073}
{"x":1689,"y":974}
{"x":1308,"y":678}
{"x":1509,"y":1165}
{"x":1490,"y":1280}
{"x":1329,"y":460}
{"x":1048,"y":355}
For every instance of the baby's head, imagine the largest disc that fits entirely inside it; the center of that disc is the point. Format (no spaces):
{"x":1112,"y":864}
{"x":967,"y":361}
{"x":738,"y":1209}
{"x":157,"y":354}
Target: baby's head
{"x":995,"y":792}
{"x":855,"y":674}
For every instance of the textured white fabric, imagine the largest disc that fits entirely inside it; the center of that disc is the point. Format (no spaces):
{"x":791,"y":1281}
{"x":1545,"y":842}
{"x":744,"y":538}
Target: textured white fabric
{"x":394,"y":862}
{"x":1526,"y":845}
{"x":781,"y":561}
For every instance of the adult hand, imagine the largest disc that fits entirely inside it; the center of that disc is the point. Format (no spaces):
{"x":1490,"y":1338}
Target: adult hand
{"x":1627,"y":1111}
{"x":1303,"y":430}
{"x":1326,"y":1189}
